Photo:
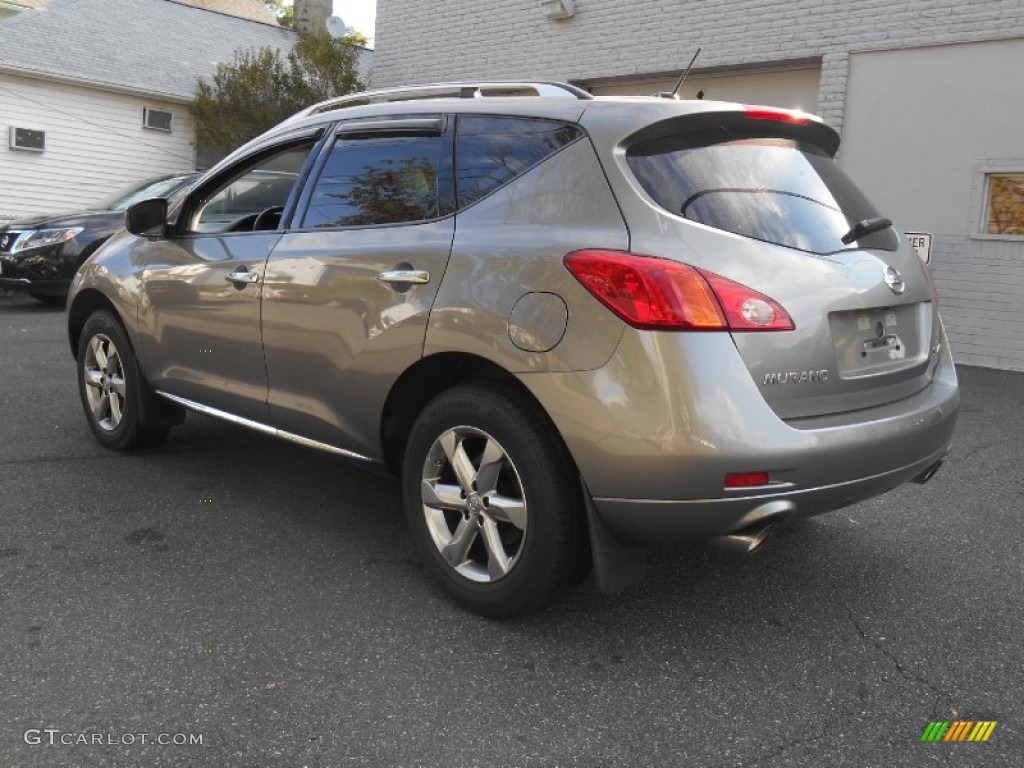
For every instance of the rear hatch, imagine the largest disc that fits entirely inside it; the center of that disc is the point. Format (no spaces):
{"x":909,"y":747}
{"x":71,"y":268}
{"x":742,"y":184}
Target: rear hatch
{"x":756,"y":197}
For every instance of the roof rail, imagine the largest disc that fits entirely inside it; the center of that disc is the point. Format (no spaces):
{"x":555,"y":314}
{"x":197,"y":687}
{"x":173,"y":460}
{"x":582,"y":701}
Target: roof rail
{"x":449,"y":91}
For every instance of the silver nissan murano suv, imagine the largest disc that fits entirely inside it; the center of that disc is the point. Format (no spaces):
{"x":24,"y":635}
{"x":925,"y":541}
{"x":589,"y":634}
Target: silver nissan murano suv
{"x":570,"y":325}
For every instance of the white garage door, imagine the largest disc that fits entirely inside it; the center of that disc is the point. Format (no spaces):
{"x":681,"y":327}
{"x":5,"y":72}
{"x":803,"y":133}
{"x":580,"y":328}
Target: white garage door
{"x":792,"y":88}
{"x":934,"y":137}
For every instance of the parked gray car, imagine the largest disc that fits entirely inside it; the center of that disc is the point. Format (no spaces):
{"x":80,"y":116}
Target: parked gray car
{"x":568,"y":324}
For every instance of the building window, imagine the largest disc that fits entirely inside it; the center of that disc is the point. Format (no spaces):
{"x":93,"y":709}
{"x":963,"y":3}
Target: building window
{"x":1004,"y":204}
{"x":156,"y":119}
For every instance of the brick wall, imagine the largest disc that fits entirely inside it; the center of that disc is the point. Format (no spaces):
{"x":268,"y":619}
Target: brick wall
{"x":980,"y":287}
{"x":419,"y":41}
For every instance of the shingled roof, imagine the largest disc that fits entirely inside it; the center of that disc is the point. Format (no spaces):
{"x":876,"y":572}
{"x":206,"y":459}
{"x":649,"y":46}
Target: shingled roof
{"x":246,"y":9}
{"x":155,"y":47}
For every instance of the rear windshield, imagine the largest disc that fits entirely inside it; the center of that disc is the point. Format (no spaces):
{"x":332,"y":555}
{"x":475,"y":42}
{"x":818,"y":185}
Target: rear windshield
{"x":778,"y":190}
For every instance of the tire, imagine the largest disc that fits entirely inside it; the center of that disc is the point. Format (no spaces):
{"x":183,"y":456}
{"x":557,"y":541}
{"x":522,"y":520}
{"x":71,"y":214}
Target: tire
{"x":116,"y":400}
{"x":494,"y":502}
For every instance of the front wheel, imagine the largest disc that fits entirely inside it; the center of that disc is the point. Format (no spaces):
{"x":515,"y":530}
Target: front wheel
{"x":493,"y":501}
{"x":115,"y":398}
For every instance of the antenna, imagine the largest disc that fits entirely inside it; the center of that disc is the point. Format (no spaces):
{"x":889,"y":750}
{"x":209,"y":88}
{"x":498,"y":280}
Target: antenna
{"x":674,"y":94}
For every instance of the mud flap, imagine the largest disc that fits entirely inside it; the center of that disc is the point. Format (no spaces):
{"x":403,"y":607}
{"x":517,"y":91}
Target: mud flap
{"x":157,"y":413}
{"x":617,"y":566}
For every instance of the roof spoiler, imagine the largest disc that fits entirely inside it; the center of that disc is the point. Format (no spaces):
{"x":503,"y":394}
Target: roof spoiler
{"x":765,"y":121}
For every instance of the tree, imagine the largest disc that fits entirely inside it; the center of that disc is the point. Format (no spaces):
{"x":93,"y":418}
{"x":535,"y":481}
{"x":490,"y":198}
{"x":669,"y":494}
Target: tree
{"x":261,"y":87}
{"x":285,"y":13}
{"x":329,"y":66}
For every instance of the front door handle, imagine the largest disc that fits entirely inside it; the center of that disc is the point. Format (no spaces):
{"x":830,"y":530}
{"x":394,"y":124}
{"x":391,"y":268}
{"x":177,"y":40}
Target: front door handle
{"x":408,"y":276}
{"x":242,"y":277}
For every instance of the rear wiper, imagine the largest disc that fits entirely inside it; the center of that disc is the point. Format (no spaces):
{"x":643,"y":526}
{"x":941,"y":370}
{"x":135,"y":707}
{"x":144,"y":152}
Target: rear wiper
{"x":865,"y":227}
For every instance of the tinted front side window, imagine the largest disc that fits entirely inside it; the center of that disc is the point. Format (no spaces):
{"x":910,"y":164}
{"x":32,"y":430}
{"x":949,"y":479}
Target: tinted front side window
{"x":777,"y":190}
{"x":234,"y":204}
{"x":492,"y":150}
{"x":382,"y":180}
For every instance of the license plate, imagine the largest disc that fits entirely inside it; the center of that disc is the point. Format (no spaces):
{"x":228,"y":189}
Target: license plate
{"x":875,"y":340}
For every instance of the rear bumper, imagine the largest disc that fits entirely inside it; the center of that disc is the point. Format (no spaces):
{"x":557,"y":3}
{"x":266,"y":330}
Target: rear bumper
{"x":652,"y":521}
{"x":656,"y":430}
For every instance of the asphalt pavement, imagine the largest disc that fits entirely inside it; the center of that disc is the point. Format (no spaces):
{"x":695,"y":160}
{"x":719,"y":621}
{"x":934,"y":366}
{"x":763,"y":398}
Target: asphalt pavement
{"x":263,"y":604}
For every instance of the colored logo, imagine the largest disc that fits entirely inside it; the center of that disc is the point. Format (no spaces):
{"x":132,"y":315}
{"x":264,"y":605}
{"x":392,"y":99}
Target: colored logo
{"x":959,"y":730}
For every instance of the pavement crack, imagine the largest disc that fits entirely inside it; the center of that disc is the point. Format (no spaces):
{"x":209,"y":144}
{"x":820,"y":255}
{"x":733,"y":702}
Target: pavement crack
{"x":906,"y":674}
{"x":897,"y":664}
{"x":780,"y":750}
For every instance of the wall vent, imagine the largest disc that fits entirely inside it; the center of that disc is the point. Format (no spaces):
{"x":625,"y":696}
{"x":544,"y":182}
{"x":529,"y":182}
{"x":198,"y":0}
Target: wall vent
{"x":27,"y":139}
{"x":156,"y":120}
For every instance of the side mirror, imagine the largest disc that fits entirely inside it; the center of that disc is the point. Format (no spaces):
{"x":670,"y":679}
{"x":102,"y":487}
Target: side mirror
{"x":147,"y":218}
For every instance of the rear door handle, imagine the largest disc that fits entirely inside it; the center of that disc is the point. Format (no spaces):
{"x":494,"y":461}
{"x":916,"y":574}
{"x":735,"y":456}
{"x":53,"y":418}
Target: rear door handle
{"x":242,"y":277}
{"x":417,"y":276}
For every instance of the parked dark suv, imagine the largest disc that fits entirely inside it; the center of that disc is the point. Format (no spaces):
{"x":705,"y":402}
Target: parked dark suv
{"x":40,"y":255}
{"x":568,"y":324}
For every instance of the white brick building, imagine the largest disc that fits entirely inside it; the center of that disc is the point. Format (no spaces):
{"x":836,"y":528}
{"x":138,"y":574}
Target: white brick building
{"x":926,"y":94}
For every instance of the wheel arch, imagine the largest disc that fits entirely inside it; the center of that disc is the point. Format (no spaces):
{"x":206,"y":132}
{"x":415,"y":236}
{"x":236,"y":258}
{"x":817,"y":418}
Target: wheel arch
{"x":85,"y":303}
{"x":430,"y":376}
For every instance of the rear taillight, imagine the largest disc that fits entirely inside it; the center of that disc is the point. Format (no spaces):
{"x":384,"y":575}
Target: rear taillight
{"x":747,"y":479}
{"x":660,"y":294}
{"x":745,"y":308}
{"x":753,"y":112}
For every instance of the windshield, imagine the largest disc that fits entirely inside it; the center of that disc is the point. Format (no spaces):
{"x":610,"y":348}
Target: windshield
{"x":781,"y":191}
{"x":159,"y":188}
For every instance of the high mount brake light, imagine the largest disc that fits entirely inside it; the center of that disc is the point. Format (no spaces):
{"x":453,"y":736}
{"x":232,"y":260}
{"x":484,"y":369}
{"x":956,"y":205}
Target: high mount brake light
{"x":774,"y":113}
{"x":659,"y":294}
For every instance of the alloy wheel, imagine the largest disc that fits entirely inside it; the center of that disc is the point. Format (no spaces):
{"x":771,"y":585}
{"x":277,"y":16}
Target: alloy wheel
{"x":105,"y":388}
{"x":474,"y":504}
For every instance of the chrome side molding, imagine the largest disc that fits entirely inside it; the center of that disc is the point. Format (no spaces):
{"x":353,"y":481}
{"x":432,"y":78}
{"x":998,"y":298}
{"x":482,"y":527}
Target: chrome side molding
{"x":264,"y":428}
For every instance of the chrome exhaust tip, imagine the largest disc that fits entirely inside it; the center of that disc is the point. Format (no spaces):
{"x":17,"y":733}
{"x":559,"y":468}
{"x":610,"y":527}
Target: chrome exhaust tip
{"x":928,"y":474}
{"x":745,"y":541}
{"x":755,"y":527}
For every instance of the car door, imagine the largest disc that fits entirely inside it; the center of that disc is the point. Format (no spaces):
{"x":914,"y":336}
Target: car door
{"x":199,"y":312}
{"x":348,"y":289}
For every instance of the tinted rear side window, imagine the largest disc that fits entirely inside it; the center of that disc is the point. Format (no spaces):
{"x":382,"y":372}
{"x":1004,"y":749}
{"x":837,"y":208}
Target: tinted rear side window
{"x":778,"y":190}
{"x":491,"y":151}
{"x":382,"y":180}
